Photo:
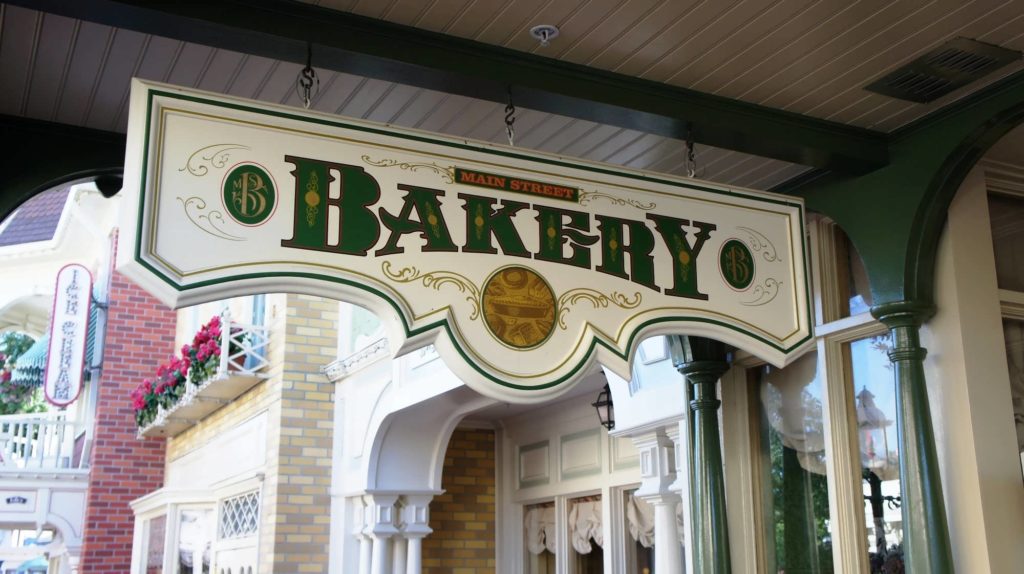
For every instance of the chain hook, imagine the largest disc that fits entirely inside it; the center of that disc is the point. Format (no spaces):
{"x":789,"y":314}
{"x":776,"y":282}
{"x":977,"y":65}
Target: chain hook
{"x":307,"y":85}
{"x":510,"y":120}
{"x":691,"y":161}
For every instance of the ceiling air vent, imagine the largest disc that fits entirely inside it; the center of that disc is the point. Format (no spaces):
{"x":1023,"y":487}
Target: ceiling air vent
{"x":937,"y":73}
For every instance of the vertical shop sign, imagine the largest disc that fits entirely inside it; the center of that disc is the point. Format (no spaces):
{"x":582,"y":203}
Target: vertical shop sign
{"x":69,"y":324}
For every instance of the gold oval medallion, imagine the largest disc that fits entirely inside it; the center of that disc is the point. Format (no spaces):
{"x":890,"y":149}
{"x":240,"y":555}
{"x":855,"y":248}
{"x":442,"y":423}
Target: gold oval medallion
{"x":519,"y":307}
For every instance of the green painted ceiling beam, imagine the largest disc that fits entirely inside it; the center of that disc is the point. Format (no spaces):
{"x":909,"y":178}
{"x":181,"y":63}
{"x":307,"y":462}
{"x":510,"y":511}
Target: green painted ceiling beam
{"x":41,"y":155}
{"x":280,"y":29}
{"x":899,"y":211}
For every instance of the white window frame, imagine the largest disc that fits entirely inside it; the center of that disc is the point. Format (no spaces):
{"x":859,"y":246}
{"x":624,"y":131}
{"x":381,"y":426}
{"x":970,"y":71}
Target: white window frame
{"x":833,"y":332}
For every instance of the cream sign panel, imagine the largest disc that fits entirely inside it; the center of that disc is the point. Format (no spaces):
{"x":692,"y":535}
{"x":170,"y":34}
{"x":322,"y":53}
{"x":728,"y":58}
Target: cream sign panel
{"x":524,"y":269}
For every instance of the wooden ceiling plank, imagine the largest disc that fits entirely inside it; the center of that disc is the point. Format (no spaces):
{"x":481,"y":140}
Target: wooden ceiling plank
{"x":51,"y":62}
{"x":15,"y":45}
{"x":514,"y":22}
{"x":718,"y":69}
{"x":801,"y":57}
{"x":420,"y":107}
{"x":392,"y":104}
{"x":120,"y":119}
{"x":939,"y":32}
{"x":578,"y":29}
{"x":555,"y":13}
{"x":380,"y":50}
{"x":448,"y":108}
{"x":849,"y":69}
{"x":190,"y":64}
{"x":913,"y":113}
{"x":471,"y":114}
{"x":565,"y":138}
{"x":675,"y":37}
{"x":584,"y":145}
{"x":737,"y":30}
{"x":249,"y":79}
{"x":122,"y":59}
{"x":632,"y":142}
{"x":223,"y":67}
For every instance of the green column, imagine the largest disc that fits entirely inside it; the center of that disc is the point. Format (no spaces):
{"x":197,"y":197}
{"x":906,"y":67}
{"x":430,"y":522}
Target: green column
{"x":925,"y":534}
{"x":702,"y":362}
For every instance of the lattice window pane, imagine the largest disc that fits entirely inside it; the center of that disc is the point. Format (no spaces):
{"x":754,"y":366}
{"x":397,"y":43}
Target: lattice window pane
{"x":240,"y":515}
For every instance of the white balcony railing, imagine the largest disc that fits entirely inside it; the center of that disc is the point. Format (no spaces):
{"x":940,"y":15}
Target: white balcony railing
{"x":243,"y":358}
{"x":42,"y":442}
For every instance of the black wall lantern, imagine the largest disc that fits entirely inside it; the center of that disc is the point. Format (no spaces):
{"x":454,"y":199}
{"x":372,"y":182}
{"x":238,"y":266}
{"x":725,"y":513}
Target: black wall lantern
{"x":605,"y":408}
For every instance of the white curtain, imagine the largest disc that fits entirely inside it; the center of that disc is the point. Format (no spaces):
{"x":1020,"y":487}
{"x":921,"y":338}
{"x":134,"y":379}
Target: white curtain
{"x":585,"y":525}
{"x":795,"y":413}
{"x":640,"y":520}
{"x":539,"y":522}
{"x":1013,"y":332}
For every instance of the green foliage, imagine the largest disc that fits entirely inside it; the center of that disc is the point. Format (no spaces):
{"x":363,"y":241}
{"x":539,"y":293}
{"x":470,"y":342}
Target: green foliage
{"x":803,"y":543}
{"x":16,"y":399}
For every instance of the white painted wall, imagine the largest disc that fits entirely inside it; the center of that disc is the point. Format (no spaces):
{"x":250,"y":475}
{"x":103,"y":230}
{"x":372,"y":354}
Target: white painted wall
{"x":969,"y":392}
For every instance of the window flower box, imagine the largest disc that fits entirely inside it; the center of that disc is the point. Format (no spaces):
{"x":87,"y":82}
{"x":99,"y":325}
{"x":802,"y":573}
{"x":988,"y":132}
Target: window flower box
{"x":226,"y":358}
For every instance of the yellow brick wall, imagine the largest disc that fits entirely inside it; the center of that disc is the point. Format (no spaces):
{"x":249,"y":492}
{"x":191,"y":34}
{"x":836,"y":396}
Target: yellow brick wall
{"x":295,"y":516}
{"x":463,"y":517}
{"x":302,"y":536}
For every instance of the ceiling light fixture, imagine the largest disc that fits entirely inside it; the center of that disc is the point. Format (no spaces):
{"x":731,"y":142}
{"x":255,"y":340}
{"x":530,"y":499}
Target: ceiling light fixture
{"x":544,"y":33}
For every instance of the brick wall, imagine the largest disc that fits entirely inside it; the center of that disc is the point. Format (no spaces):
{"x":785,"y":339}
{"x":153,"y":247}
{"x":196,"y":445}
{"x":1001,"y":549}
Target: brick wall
{"x":295,"y":512}
{"x":303,"y":517}
{"x":463,"y":517}
{"x":140,"y":335}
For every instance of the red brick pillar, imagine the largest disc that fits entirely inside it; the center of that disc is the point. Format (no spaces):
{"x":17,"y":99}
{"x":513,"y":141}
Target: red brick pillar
{"x":140,"y":336}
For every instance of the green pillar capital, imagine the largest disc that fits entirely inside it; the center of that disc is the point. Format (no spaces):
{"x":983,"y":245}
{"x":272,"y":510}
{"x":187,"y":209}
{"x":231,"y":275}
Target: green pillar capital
{"x":903,"y":313}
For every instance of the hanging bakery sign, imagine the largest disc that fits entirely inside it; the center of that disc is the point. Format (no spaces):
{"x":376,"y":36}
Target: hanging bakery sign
{"x":524,"y":269}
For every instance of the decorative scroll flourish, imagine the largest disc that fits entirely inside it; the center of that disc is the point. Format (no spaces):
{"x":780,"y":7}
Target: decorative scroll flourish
{"x":588,"y":196}
{"x":761,"y":244}
{"x":217,"y":155}
{"x":209,"y":222}
{"x":446,"y":173}
{"x":595,"y":298}
{"x":436,"y":280}
{"x":764,"y":293}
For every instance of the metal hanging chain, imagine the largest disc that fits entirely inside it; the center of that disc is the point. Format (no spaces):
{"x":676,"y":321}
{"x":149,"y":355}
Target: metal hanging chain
{"x":510,"y":120}
{"x":307,"y":85}
{"x":691,"y":161}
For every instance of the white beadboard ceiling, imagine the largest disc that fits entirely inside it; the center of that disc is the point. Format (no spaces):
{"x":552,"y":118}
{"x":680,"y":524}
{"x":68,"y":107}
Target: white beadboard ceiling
{"x":809,"y":57}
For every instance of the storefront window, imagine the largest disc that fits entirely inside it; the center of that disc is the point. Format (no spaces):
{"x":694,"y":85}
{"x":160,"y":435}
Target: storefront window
{"x":1006,"y":214}
{"x":155,"y":536}
{"x":1013,"y":333}
{"x":639,"y":535}
{"x":539,"y":534}
{"x":586,"y":535}
{"x":793,"y":468}
{"x":875,"y":398}
{"x":195,"y":538}
{"x":853,"y":277}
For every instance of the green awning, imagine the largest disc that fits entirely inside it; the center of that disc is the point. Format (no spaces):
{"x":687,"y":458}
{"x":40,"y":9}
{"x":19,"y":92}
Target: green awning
{"x":30,"y":366}
{"x":37,"y":564}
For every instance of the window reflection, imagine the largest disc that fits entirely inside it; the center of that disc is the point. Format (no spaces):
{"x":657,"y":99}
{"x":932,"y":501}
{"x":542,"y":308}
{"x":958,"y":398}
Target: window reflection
{"x":875,"y":396}
{"x":195,"y":537}
{"x":1006,"y":215}
{"x":155,"y":545}
{"x":794,"y":475}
